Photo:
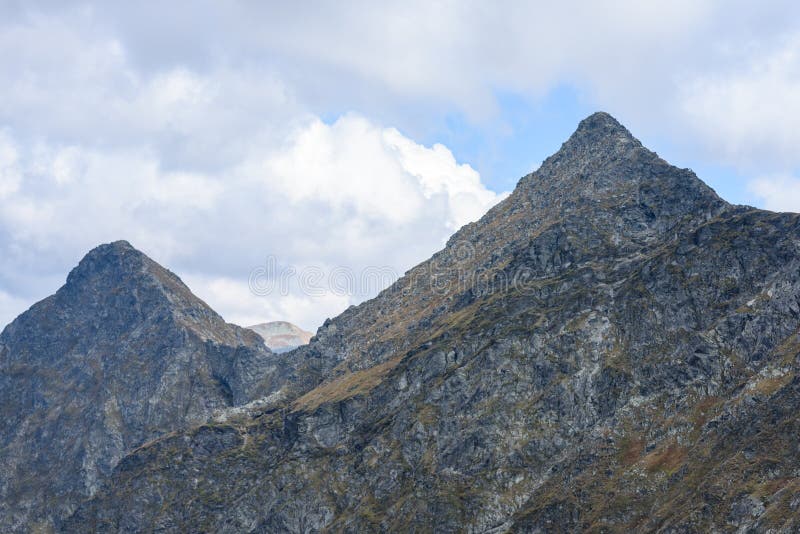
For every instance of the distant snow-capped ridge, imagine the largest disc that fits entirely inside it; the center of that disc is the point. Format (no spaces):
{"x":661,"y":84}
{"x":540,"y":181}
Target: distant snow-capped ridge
{"x":281,"y":336}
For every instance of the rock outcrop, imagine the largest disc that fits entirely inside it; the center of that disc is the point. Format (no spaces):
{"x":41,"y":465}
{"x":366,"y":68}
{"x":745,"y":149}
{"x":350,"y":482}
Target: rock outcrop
{"x":122,"y":354}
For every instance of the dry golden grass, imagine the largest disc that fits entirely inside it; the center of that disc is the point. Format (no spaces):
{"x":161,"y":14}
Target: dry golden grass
{"x":345,"y":386}
{"x":768,"y":386}
{"x":631,"y":451}
{"x":666,"y":459}
{"x":789,"y":349}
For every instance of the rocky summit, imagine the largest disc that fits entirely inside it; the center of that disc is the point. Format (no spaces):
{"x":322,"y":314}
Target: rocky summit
{"x":122,"y":354}
{"x":612,"y":348}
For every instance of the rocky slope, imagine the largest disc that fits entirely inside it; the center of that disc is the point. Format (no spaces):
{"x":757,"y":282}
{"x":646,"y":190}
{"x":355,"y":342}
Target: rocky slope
{"x":611,"y":348}
{"x":122,"y":354}
{"x":281,"y":336}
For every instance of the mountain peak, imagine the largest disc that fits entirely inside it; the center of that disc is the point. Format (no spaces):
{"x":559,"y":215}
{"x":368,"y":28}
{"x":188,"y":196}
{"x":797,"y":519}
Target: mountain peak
{"x":119,"y":263}
{"x":599,"y":133}
{"x":602,"y":166}
{"x":281,"y":336}
{"x":113,"y":249}
{"x":118,"y":255}
{"x":121,"y":354}
{"x":599,"y":138}
{"x":119,"y":244}
{"x":602,"y":123}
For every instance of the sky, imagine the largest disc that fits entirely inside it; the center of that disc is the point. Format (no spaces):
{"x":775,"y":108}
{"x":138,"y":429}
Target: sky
{"x":288,"y":160}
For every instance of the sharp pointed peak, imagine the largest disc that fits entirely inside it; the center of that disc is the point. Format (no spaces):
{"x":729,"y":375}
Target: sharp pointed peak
{"x":115,"y":247}
{"x":603,"y":164}
{"x":599,"y":140}
{"x":114,"y":262}
{"x":119,"y":244}
{"x":109,"y":255}
{"x":601,"y":119}
{"x":601,"y":130}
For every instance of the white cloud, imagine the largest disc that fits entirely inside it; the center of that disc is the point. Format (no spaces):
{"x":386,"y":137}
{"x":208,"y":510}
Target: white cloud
{"x":350,"y":167}
{"x":777,"y":193}
{"x":437,"y":173}
{"x":750,"y":114}
{"x":720,"y":78}
{"x":459,"y":52}
{"x":10,"y":307}
{"x":9,"y":171}
{"x":377,"y":172}
{"x":196,"y":131}
{"x":241,"y":306}
{"x":348,"y":194}
{"x":117,"y":73}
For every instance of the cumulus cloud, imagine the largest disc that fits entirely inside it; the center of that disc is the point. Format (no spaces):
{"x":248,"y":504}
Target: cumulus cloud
{"x":348,"y":194}
{"x":210,"y":170}
{"x":217,"y":136}
{"x":777,"y":192}
{"x":377,"y":172}
{"x":750,"y":112}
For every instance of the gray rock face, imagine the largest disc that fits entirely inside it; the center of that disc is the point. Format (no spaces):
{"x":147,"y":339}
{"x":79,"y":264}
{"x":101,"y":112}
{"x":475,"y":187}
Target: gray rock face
{"x":122,"y":354}
{"x":612,"y":348}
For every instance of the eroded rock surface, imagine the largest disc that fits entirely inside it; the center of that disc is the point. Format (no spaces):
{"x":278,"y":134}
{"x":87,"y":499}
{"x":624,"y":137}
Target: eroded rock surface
{"x":120,"y":355}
